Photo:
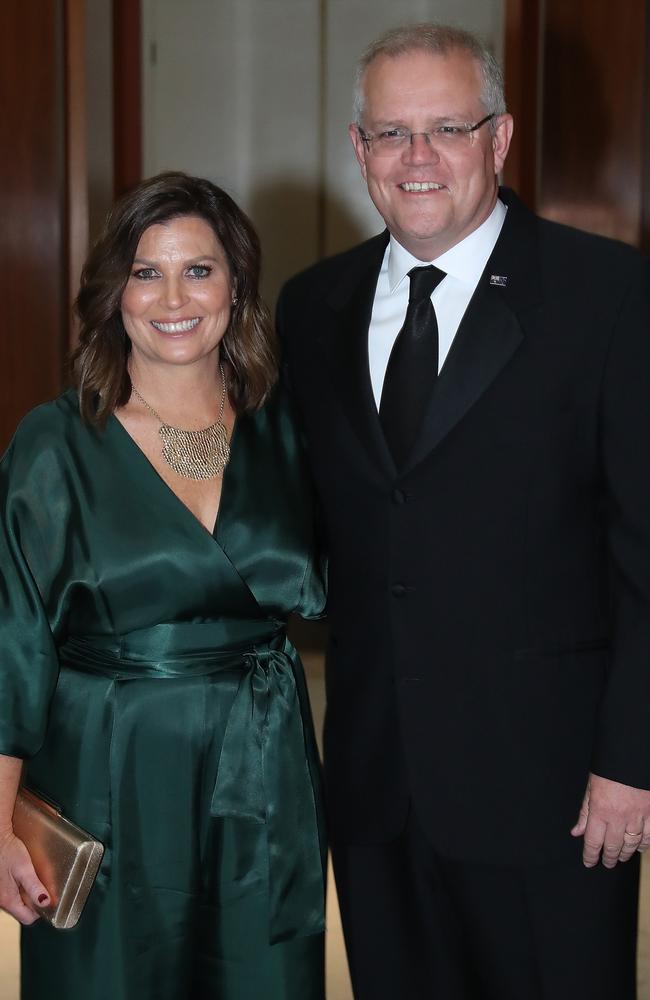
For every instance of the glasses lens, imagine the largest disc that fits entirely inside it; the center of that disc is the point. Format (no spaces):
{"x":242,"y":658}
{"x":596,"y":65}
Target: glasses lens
{"x":449,"y":135}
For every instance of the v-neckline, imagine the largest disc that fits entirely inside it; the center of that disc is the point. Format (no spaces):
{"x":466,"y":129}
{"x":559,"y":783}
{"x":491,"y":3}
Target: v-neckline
{"x":214,"y":533}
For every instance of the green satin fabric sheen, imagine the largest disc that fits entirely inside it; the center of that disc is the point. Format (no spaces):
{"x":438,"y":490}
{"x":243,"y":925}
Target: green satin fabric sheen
{"x":262,"y":772}
{"x":162,"y":758}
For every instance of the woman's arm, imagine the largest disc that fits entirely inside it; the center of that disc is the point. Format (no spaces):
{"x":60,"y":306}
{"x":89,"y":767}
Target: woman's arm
{"x":18,"y":880}
{"x":33,"y":539}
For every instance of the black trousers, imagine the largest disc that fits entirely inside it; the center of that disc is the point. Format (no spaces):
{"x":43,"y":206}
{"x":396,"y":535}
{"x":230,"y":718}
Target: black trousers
{"x":422,"y":927}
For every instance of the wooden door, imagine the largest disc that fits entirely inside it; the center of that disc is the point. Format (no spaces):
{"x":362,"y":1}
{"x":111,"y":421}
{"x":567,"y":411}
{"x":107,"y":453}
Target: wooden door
{"x":578,"y":82}
{"x":42,"y":235}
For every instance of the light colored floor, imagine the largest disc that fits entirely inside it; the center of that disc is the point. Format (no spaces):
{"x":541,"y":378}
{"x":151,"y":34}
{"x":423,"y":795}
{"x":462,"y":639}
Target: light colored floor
{"x":338,"y":983}
{"x":337,"y":977}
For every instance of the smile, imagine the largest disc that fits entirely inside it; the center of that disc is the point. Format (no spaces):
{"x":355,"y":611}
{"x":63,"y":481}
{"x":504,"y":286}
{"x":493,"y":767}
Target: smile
{"x":183,"y":325}
{"x":421,"y":186}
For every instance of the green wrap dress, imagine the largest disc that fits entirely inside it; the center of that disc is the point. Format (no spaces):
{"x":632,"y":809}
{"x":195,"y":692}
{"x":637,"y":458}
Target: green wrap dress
{"x":147,"y":678}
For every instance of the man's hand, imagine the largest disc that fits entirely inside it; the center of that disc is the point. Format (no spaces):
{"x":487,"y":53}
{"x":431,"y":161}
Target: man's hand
{"x":614,"y":819}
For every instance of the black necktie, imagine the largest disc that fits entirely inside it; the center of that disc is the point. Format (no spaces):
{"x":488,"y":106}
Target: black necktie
{"x":412,"y":367}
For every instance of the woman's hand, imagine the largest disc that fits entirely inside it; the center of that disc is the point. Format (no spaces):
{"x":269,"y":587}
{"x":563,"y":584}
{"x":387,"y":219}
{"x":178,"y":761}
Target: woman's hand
{"x":20,"y":888}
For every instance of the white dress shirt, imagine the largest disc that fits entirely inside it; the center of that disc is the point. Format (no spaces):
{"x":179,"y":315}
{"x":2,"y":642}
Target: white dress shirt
{"x":464,"y":264}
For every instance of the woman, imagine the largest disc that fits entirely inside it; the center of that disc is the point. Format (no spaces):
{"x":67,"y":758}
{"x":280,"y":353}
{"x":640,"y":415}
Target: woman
{"x":156,"y":534}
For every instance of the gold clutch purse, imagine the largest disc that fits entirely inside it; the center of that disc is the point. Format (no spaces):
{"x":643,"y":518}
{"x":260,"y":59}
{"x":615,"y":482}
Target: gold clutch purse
{"x":65,"y":857}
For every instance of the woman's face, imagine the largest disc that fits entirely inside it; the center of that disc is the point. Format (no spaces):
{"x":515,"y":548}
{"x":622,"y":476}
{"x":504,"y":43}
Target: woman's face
{"x":177,"y":301}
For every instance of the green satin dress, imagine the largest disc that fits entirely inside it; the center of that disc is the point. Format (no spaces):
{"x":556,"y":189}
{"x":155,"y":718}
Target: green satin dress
{"x":147,"y":678}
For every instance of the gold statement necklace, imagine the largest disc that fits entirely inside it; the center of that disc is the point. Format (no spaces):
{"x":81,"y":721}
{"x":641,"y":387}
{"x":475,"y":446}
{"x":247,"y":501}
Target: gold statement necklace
{"x":200,"y":454}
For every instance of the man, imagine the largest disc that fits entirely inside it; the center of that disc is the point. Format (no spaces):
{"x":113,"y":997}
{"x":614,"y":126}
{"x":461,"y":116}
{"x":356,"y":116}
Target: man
{"x":488,"y":523}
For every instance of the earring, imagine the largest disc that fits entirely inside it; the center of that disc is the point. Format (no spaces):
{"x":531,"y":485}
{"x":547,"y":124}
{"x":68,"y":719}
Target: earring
{"x":234,"y":300}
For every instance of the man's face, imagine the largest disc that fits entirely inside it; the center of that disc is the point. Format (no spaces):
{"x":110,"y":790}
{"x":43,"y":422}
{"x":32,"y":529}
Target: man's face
{"x":418,"y":91}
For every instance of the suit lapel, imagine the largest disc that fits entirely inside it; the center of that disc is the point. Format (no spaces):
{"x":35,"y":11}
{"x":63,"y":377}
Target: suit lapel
{"x":489,"y":335}
{"x":487,"y":338}
{"x":351,"y":302}
{"x":490,"y":332}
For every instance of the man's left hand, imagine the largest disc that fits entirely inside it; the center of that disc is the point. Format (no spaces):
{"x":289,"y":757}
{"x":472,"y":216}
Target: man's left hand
{"x":615,"y":819}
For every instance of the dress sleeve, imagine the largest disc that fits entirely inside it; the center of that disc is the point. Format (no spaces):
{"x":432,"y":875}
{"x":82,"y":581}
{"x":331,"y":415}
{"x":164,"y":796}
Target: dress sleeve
{"x":313,"y":593}
{"x":313,"y":596}
{"x":31,"y":530}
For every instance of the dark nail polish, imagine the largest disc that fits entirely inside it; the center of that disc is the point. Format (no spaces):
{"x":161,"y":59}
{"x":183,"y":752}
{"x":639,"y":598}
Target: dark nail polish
{"x":42,"y":898}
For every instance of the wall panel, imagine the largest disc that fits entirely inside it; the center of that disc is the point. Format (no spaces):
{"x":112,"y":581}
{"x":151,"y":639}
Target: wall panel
{"x":256,"y":95}
{"x":580,"y":80}
{"x":231,"y":93}
{"x":594,"y":113}
{"x":32,"y":207}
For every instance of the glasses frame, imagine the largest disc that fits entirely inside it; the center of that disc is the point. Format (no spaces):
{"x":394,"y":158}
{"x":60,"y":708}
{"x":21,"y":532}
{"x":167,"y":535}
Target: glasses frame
{"x":467,"y":130}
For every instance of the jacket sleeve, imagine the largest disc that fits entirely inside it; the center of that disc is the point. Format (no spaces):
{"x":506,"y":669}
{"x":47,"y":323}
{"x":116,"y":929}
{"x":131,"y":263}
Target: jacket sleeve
{"x":622,"y":750}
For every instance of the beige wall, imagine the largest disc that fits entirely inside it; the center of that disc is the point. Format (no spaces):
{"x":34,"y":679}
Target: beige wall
{"x":256,"y":95}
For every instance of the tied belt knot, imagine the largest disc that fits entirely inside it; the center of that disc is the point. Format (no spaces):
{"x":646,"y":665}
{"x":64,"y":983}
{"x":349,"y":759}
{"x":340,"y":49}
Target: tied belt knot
{"x":263,"y":775}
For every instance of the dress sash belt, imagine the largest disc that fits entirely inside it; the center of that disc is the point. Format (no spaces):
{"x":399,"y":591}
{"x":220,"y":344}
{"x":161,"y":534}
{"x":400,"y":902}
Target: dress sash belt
{"x":263,"y":775}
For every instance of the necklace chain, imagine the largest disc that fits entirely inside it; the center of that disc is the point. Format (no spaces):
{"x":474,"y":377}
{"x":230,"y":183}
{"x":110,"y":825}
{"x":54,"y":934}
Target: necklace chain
{"x":201,"y":454}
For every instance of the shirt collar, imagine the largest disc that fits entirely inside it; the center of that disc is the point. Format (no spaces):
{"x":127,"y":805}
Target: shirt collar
{"x":465,"y":261}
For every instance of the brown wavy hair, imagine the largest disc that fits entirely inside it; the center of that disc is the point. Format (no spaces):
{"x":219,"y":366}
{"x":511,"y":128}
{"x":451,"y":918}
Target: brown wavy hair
{"x":249,"y":346}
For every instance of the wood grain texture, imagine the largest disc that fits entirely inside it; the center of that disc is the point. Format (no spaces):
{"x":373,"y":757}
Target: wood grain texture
{"x":127,"y":95}
{"x":522,"y":79}
{"x":32,"y":207}
{"x":594,"y":120}
{"x":645,"y":167}
{"x":76,"y":155}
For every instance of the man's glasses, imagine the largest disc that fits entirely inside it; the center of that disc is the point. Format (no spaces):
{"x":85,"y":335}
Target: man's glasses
{"x":451,"y":135}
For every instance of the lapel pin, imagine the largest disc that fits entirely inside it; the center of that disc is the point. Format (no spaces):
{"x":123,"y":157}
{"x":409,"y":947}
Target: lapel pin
{"x":500,"y":280}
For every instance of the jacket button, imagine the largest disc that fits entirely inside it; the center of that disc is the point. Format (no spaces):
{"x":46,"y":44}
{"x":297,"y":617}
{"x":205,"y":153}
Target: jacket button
{"x":399,"y":496}
{"x":398,"y":590}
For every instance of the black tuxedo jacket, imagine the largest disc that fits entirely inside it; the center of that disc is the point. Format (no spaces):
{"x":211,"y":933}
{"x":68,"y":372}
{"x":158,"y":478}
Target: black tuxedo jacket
{"x":490,"y":603}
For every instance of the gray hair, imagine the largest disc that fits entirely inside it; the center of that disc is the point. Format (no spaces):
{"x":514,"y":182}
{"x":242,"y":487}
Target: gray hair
{"x":439,"y":39}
